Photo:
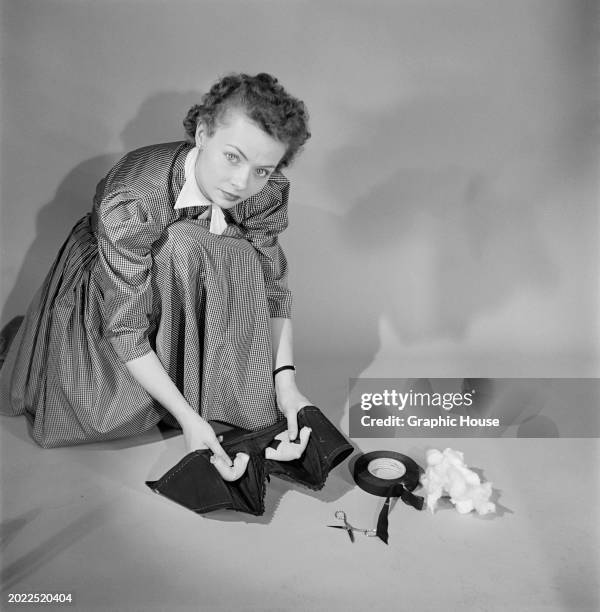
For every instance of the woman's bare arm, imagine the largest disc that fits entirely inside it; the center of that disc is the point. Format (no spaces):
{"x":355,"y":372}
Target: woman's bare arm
{"x":149,"y":372}
{"x":289,"y":398}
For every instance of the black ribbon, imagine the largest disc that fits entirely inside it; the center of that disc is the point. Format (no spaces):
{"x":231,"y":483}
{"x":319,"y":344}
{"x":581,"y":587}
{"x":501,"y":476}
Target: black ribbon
{"x":401,"y":487}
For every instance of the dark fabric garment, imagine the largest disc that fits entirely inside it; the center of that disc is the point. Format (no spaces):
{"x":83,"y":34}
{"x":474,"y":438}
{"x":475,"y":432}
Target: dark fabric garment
{"x":196,"y":484}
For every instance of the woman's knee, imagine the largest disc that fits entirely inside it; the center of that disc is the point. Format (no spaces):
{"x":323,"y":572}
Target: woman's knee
{"x":191,"y":243}
{"x":183,"y":233}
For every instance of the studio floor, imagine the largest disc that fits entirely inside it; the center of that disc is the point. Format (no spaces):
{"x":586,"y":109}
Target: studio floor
{"x":80,"y":520}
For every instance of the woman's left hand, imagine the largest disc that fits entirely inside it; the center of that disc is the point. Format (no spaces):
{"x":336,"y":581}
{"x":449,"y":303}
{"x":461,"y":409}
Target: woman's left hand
{"x":290,"y":401}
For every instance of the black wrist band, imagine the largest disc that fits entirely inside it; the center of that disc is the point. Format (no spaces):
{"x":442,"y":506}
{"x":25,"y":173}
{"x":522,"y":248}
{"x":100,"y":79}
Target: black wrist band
{"x":281,"y":368}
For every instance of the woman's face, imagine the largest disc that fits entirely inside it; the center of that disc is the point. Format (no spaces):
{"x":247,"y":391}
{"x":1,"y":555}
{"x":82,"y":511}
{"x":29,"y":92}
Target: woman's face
{"x":236,"y":161}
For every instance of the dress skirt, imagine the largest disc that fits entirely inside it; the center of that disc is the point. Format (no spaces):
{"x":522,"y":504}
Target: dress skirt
{"x":209,"y":328}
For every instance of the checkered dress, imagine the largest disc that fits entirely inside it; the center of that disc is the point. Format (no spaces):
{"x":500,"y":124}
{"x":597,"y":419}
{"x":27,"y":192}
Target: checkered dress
{"x":134,"y":275}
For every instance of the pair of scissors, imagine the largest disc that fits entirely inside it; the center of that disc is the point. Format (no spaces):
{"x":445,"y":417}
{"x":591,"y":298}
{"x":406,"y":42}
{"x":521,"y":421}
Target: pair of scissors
{"x":341,"y":515}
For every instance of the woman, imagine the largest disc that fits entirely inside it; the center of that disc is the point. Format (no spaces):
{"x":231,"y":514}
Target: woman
{"x":169,"y":300}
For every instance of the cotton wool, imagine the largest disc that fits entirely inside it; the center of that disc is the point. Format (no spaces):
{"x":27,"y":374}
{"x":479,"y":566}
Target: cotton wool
{"x":447,"y":473}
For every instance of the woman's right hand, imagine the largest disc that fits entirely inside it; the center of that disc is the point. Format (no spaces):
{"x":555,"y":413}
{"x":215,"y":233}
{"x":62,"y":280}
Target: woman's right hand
{"x":197,"y":432}
{"x":199,"y":435}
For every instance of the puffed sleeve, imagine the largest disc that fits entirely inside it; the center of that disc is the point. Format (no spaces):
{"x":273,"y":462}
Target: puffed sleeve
{"x":265,"y":216}
{"x":126,"y":231}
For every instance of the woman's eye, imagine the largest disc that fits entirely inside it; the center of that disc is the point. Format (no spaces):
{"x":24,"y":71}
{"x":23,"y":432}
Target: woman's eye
{"x":262,"y":172}
{"x":231,"y":156}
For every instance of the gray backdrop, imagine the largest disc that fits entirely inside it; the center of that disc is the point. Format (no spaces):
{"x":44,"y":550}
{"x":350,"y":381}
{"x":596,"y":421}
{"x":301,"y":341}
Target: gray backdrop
{"x":444,"y":216}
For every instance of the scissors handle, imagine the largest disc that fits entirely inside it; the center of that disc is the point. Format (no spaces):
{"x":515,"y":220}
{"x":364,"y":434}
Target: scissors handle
{"x":368,"y":532}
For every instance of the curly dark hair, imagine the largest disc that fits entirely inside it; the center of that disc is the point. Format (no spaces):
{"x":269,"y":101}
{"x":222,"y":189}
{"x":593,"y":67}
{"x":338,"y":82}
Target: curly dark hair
{"x":264,"y":101}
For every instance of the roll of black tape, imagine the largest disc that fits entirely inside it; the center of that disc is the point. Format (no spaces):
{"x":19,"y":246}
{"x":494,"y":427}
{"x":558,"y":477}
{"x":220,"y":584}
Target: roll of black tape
{"x":388,"y":474}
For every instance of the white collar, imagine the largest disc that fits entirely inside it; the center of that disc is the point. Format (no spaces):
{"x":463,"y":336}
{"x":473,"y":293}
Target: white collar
{"x":190,"y":195}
